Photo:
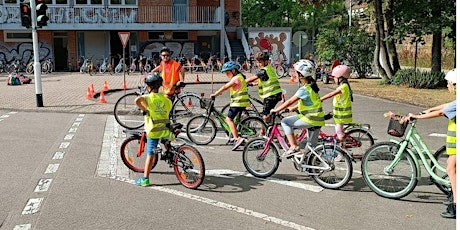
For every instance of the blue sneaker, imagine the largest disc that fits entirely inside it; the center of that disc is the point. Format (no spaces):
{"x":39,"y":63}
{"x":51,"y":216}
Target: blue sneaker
{"x":143,"y":181}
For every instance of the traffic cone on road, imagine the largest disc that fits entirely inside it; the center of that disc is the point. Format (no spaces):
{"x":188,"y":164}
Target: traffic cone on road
{"x":189,"y":103}
{"x":92,"y":89}
{"x":89,"y":95}
{"x":197,"y":78}
{"x":292,"y":81}
{"x":102,"y":98}
{"x":106,"y":86}
{"x":124,"y":86}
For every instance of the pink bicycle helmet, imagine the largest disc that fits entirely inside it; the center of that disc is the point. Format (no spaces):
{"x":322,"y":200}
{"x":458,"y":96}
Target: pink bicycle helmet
{"x":341,"y":71}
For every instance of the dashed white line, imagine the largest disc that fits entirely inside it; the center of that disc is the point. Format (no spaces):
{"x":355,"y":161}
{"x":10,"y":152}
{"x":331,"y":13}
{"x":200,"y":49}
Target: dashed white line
{"x":437,"y":135}
{"x":58,"y":155}
{"x":64,"y":145}
{"x":32,"y":206}
{"x":68,"y":137}
{"x":22,"y":227}
{"x":52,"y":168}
{"x":43,"y":185}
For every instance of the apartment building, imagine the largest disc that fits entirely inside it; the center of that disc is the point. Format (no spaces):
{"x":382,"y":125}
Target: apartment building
{"x":89,"y":28}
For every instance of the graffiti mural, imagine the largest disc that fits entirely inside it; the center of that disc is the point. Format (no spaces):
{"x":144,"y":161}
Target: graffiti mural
{"x":275,"y":41}
{"x":186,"y":49}
{"x":23,"y":51}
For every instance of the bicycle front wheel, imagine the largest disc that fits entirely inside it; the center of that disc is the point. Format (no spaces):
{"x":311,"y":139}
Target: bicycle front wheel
{"x":358,"y":140}
{"x":127,"y":113}
{"x":251,"y":127}
{"x":131,"y":157}
{"x":280,"y":71}
{"x":441,"y":158}
{"x":185,"y":107}
{"x":189,"y":166}
{"x":260,"y":158}
{"x":341,"y":170}
{"x":393,"y":183}
{"x":201,"y":130}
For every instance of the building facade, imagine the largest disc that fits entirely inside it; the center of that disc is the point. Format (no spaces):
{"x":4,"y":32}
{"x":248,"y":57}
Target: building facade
{"x":89,"y":28}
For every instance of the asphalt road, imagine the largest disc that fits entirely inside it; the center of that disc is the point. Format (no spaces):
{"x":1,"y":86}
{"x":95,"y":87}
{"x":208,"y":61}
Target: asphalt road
{"x":62,"y":171}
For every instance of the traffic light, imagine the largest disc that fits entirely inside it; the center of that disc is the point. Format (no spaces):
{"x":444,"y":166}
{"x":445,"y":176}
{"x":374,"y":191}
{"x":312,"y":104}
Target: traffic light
{"x":26,"y":18}
{"x":42,"y":19}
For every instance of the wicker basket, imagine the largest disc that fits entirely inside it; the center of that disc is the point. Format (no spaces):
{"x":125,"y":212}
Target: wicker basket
{"x":395,"y":128}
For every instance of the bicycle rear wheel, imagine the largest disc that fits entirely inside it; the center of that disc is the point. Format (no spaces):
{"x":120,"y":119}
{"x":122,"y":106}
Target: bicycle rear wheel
{"x":341,"y":171}
{"x":127,"y":113}
{"x":280,"y":71}
{"x":358,"y":140}
{"x":189,"y":166}
{"x":251,"y":127}
{"x":185,"y":107}
{"x":393,"y":183}
{"x":131,"y":157}
{"x":441,"y":158}
{"x":201,"y":130}
{"x":258,"y":162}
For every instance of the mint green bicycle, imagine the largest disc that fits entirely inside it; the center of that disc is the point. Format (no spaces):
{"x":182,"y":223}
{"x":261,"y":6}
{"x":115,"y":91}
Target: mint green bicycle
{"x":392,"y":169}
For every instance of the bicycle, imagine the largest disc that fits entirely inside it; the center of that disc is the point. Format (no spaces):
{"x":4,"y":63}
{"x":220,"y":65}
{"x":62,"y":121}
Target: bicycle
{"x":281,"y":68}
{"x":392,"y":169}
{"x":202,"y":129}
{"x":129,"y":116}
{"x":261,"y":158}
{"x":186,"y":160}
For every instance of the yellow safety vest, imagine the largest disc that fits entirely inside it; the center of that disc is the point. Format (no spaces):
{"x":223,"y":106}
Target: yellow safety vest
{"x":312,"y":114}
{"x":239,"y":98}
{"x":271,"y":86}
{"x":155,"y":122}
{"x":342,"y":106}
{"x":451,"y":140}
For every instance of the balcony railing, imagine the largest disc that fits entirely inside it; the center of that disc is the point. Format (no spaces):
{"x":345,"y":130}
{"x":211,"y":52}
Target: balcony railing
{"x":109,"y":15}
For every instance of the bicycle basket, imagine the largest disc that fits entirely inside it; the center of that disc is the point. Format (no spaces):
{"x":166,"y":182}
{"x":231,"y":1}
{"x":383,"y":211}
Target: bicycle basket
{"x":205,"y":103}
{"x":395,"y":128}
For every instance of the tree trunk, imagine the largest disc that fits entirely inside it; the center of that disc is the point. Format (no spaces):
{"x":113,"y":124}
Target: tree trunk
{"x":384,"y":65}
{"x":393,"y":53}
{"x":436,"y":52}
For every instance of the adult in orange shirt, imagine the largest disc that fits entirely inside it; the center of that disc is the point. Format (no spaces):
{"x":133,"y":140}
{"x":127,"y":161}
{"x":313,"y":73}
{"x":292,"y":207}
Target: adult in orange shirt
{"x":172,"y":72}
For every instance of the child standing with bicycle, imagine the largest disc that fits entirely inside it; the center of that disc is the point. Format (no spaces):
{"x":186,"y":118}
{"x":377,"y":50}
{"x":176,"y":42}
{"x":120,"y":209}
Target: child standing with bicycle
{"x":156,"y":107}
{"x":343,"y":98}
{"x":239,"y":97}
{"x":449,"y":111}
{"x":309,"y":105}
{"x":269,"y":87}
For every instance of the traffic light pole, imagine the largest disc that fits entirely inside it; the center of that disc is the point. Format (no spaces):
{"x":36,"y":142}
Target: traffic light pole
{"x":37,"y":66}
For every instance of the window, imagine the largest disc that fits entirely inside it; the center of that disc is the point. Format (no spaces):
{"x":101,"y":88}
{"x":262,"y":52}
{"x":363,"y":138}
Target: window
{"x":11,"y":1}
{"x":123,"y":2}
{"x":62,"y":2}
{"x":180,"y":35}
{"x":17,"y":36}
{"x":156,"y":35}
{"x":87,"y":2}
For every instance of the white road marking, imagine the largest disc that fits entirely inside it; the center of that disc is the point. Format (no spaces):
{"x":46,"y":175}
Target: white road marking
{"x":76,"y":124}
{"x":22,"y":227}
{"x":58,"y":155}
{"x":5,"y":116}
{"x":68,"y":137}
{"x":437,"y":135}
{"x":32,"y":206}
{"x":52,"y":168}
{"x":64,"y":145}
{"x":226,"y":173}
{"x":223,"y":205}
{"x":73,"y":130}
{"x":43,"y":185}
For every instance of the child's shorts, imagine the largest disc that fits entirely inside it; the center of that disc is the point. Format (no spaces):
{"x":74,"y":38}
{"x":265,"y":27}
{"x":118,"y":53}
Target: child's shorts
{"x":233,"y":111}
{"x":151,"y":145}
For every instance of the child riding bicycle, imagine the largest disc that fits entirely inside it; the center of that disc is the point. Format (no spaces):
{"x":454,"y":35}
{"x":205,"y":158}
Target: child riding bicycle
{"x":309,"y":105}
{"x":239,"y":97}
{"x":156,"y":107}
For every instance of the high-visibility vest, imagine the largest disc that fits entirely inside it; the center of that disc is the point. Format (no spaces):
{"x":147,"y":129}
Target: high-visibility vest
{"x":170,"y":76}
{"x":451,"y":140}
{"x":155,"y":122}
{"x":342,"y":106}
{"x":271,"y":86}
{"x":239,"y":98}
{"x":311,"y":114}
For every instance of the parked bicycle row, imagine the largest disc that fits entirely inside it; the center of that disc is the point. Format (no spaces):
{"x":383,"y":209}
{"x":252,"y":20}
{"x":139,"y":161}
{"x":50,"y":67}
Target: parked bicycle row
{"x":390,"y":169}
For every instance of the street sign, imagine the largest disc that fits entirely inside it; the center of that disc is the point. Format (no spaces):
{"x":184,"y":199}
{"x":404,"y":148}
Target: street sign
{"x":124,"y":37}
{"x":300,"y":38}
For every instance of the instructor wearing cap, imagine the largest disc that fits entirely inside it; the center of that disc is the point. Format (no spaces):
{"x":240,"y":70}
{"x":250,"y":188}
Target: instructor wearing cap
{"x":172,"y":73}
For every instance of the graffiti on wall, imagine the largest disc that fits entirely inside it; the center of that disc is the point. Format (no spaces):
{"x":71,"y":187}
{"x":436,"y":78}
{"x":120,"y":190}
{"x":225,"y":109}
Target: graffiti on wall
{"x":277,"y":43}
{"x":186,"y":49}
{"x":23,"y":51}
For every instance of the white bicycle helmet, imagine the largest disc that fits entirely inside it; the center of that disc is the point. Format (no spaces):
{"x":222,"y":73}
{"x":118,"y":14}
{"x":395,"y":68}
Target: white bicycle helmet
{"x":305,"y":67}
{"x":451,"y":76}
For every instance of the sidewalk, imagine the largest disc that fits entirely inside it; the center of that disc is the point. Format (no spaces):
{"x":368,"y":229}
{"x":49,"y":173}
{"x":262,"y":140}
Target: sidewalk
{"x":66,"y":92}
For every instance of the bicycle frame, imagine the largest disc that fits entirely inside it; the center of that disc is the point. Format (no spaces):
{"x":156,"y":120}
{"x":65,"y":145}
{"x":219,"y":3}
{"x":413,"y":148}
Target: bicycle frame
{"x":416,"y":142}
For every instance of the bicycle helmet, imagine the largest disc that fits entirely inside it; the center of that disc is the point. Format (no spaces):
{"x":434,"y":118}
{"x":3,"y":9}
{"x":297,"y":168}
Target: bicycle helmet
{"x":451,"y":76}
{"x":229,"y":66}
{"x":305,"y":67}
{"x":154,"y":79}
{"x":341,"y":71}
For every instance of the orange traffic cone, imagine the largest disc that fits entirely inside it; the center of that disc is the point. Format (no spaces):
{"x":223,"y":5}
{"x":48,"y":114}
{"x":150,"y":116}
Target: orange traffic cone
{"x":92,"y":88}
{"x":89,"y":95}
{"x":189,"y":103}
{"x":197,"y":78}
{"x":102,"y":99}
{"x":124,"y":86}
{"x":105,"y":87}
{"x":292,"y":79}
